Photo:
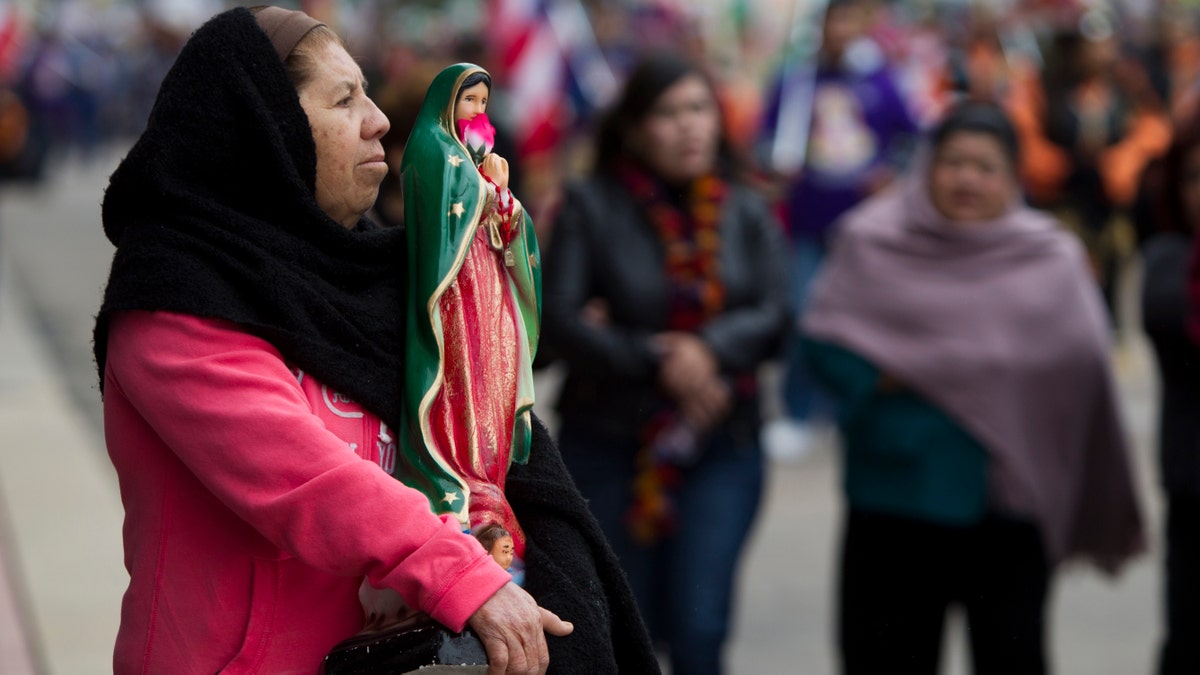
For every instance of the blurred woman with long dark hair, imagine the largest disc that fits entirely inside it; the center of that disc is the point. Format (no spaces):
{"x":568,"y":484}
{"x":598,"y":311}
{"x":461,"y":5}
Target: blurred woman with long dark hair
{"x":665,"y":290}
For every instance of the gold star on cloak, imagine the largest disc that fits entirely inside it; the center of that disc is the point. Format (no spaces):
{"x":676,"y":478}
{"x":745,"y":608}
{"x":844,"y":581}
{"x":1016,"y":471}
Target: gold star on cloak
{"x":454,"y":160}
{"x":457,"y":210}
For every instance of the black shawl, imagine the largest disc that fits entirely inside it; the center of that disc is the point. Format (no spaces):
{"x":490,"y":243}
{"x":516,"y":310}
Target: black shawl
{"x":213,"y":214}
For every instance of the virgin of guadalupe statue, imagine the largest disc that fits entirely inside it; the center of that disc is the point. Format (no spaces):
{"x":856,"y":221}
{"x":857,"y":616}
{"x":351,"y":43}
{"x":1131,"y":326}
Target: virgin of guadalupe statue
{"x":474,"y":309}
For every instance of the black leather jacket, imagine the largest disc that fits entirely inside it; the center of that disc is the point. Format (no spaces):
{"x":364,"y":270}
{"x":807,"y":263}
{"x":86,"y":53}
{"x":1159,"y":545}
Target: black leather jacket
{"x":602,"y":247}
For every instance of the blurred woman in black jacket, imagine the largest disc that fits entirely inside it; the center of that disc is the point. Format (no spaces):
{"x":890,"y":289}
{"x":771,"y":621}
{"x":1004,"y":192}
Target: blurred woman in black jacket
{"x":664,"y":291}
{"x":1165,"y":259}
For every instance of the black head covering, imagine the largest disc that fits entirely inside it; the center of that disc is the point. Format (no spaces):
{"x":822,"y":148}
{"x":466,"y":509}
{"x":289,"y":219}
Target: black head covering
{"x":213,"y":213}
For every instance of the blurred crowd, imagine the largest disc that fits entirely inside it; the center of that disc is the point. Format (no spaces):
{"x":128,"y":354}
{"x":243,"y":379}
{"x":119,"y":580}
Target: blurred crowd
{"x":77,"y":75}
{"x":92,"y":66}
{"x":1087,"y":115}
{"x":1092,"y":87}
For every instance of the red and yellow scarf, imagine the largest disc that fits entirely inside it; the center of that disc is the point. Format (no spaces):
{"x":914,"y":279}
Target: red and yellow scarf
{"x":691,"y":239}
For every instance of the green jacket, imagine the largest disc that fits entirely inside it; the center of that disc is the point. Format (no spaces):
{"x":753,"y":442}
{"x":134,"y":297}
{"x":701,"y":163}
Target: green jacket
{"x":903,"y":456}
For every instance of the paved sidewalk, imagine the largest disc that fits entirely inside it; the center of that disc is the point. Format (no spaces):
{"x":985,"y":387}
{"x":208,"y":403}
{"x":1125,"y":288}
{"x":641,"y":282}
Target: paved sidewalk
{"x":16,"y":646}
{"x":62,"y":516}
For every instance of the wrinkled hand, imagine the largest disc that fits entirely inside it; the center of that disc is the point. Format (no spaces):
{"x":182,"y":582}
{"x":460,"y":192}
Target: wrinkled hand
{"x":495,"y":167}
{"x":690,"y":374}
{"x":512,"y":628}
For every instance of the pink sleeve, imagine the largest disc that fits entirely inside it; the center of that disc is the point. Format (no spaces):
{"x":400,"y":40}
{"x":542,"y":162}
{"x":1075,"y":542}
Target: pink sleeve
{"x":225,"y":402}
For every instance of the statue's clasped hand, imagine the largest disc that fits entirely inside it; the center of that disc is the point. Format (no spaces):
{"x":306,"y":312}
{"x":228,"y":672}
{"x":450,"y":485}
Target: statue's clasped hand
{"x":495,"y":168}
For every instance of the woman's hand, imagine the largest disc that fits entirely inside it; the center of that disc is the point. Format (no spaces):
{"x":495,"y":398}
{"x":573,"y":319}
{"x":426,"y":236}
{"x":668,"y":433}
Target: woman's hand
{"x":495,"y":167}
{"x":690,"y":374}
{"x":705,"y":406}
{"x":596,"y":313}
{"x":513,"y":630}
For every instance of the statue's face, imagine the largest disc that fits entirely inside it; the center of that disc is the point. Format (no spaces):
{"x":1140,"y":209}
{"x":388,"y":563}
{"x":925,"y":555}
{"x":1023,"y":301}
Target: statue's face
{"x":471,"y":102}
{"x":502,"y":552}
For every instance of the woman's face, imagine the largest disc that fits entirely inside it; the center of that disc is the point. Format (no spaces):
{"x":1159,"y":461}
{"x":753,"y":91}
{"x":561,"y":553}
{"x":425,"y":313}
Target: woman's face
{"x":471,"y":102}
{"x":346,"y":127}
{"x":971,"y":177}
{"x":1189,"y":188}
{"x":678,"y":137}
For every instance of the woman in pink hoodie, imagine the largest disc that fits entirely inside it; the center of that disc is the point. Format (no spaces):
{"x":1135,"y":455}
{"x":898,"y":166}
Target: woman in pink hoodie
{"x":250,"y":354}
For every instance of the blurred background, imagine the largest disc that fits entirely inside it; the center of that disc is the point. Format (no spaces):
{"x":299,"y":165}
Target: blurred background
{"x":80,"y":75}
{"x":78,"y":79}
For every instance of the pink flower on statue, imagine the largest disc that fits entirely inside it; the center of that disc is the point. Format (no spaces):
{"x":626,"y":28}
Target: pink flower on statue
{"x":478,"y":135}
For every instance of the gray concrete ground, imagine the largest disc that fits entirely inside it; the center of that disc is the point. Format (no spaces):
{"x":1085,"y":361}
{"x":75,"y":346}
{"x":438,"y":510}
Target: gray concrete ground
{"x":60,"y":514}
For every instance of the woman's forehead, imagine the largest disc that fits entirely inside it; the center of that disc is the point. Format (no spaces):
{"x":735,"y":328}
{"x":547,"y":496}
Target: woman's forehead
{"x":336,"y":68}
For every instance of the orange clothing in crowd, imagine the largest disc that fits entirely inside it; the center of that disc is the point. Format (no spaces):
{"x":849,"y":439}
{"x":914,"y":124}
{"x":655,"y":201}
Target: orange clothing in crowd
{"x":1045,"y":165}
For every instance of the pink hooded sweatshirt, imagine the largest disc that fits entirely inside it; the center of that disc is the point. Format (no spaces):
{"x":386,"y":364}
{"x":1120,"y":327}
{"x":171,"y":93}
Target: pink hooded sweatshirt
{"x":255,"y":504}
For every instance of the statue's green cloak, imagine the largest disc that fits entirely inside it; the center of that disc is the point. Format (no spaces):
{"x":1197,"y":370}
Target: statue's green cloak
{"x":444,"y":199}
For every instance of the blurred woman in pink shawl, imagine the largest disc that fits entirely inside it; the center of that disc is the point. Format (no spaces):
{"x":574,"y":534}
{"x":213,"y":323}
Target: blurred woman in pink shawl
{"x":968,"y":345}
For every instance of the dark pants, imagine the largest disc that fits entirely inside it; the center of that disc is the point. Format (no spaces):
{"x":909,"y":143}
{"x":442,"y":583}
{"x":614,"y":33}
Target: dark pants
{"x":684,"y":584}
{"x":1181,"y":649}
{"x":900,"y":575}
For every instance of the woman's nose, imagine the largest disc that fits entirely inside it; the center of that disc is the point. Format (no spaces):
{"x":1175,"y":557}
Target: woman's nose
{"x":376,"y":123}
